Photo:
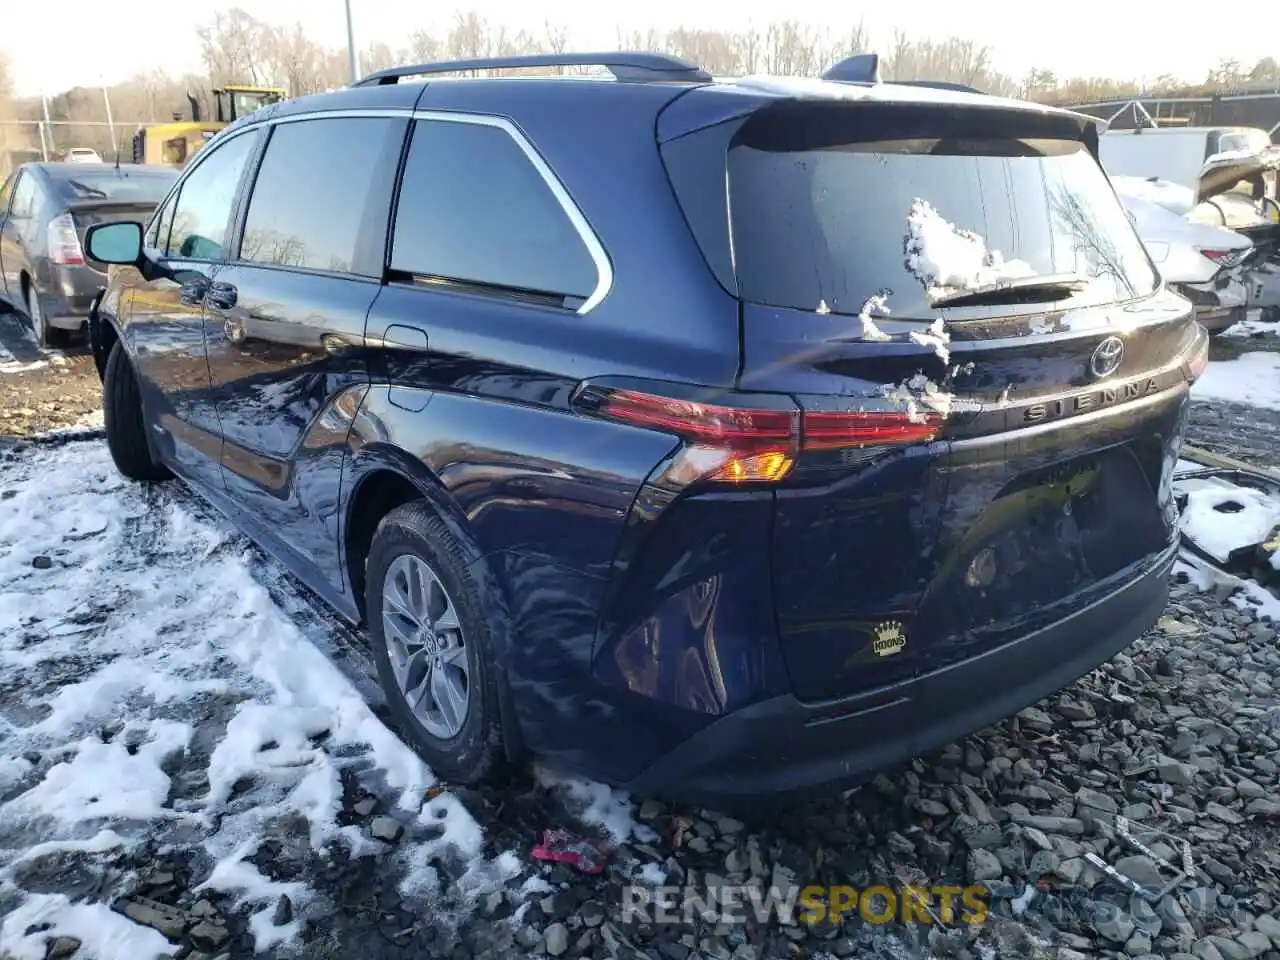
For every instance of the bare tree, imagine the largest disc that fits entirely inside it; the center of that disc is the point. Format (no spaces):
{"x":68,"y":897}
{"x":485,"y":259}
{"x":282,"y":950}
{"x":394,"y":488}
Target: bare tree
{"x":6,"y":86}
{"x":1229,"y":74}
{"x":238,"y":48}
{"x":955,"y":60}
{"x":557,"y":37}
{"x":11,"y":137}
{"x":232,"y":46}
{"x":1265,"y":70}
{"x":378,"y":56}
{"x":423,"y":47}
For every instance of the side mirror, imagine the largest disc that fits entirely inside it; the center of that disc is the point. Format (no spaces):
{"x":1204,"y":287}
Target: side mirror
{"x":119,"y":243}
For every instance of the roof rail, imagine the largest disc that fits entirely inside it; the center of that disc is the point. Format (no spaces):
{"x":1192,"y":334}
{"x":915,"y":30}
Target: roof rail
{"x":860,"y":68}
{"x":624,"y":66}
{"x":940,"y":85}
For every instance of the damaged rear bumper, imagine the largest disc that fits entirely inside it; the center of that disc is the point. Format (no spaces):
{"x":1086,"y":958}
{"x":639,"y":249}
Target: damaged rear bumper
{"x":785,"y":749}
{"x":1219,"y":302}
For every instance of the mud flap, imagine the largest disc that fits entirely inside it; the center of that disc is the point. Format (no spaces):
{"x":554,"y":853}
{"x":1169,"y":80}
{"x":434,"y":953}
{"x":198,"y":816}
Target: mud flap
{"x":93,"y":328}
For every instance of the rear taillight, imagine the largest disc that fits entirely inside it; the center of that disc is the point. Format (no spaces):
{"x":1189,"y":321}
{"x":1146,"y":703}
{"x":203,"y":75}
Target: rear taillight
{"x":1224,"y":258}
{"x":734,"y":443}
{"x":64,"y":243}
{"x":830,"y":430}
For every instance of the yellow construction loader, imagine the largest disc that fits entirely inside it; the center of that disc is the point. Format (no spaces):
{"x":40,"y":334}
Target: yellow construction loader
{"x":174,"y":143}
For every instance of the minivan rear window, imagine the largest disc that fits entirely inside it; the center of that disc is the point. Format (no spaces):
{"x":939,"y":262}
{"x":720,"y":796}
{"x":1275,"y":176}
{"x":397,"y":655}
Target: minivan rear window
{"x":827,"y":209}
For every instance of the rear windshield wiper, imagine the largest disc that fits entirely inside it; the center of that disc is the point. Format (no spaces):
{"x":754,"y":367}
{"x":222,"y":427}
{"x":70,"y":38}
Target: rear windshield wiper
{"x":85,"y":190}
{"x":1053,"y":286}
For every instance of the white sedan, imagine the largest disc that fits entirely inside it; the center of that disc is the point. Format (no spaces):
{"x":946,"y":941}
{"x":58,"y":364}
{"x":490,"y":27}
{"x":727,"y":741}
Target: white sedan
{"x":1207,"y":264}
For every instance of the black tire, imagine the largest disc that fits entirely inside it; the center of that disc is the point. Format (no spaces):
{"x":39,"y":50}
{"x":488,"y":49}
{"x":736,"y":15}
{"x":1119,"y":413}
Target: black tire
{"x":47,"y":337}
{"x":476,"y":752}
{"x":126,"y":427}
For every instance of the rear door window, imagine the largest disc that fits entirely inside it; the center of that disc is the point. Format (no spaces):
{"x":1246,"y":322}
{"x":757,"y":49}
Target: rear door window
{"x":476,"y":212}
{"x":322,"y":195}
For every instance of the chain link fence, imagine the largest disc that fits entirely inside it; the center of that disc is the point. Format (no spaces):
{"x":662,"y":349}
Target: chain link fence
{"x":22,"y":141}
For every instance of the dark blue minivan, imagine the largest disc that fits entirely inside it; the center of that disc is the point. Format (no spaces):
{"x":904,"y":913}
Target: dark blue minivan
{"x":718,"y":438}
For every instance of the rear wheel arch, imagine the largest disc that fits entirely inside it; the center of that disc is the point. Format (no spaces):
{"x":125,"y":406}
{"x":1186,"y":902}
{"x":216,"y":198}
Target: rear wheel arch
{"x":375,"y":495}
{"x":389,"y":478}
{"x":386,"y":478}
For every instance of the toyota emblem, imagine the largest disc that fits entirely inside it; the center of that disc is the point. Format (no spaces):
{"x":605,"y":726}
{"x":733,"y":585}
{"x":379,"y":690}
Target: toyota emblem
{"x":1107,"y":357}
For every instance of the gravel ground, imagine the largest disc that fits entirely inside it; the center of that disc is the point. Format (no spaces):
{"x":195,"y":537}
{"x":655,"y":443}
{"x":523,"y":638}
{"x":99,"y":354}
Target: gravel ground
{"x":44,"y":390}
{"x":1180,"y":735}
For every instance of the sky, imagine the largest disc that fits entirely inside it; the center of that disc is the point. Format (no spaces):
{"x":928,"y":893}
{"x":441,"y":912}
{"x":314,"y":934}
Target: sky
{"x":87,"y":42}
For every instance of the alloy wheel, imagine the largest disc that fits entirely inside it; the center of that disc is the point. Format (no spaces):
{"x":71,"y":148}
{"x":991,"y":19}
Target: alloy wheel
{"x":426,"y":647}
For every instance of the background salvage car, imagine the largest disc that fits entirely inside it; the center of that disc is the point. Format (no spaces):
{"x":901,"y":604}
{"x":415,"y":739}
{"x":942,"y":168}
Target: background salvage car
{"x":45,"y":209}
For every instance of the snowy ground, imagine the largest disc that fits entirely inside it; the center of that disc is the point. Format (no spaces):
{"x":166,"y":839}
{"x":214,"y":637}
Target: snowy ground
{"x":156,"y":697}
{"x":1251,"y":378}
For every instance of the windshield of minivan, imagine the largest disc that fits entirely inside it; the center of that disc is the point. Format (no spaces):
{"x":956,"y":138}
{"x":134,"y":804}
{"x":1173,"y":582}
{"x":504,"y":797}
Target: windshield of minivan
{"x":828,"y":226}
{"x":148,"y":187}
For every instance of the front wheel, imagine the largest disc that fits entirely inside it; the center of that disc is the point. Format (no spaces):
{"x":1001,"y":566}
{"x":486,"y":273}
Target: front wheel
{"x":432,"y":645}
{"x":124,"y":420}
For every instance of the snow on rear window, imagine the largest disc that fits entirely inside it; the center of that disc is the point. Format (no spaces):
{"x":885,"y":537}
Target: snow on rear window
{"x":947,"y":258}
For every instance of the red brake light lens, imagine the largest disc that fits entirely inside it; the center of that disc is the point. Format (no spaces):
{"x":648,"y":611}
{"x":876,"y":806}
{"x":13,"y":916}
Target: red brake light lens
{"x":1226,"y":258}
{"x":64,"y":242}
{"x":828,"y":430}
{"x":703,"y":422}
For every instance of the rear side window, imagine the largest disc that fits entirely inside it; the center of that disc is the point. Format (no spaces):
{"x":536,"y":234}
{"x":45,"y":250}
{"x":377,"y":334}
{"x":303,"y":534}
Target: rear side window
{"x":26,"y":196}
{"x":827,"y":207}
{"x":475,"y":210}
{"x":322,"y":195}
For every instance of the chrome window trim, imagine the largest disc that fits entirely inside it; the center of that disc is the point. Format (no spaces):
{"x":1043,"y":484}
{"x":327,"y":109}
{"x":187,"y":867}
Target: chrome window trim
{"x":595,"y":249}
